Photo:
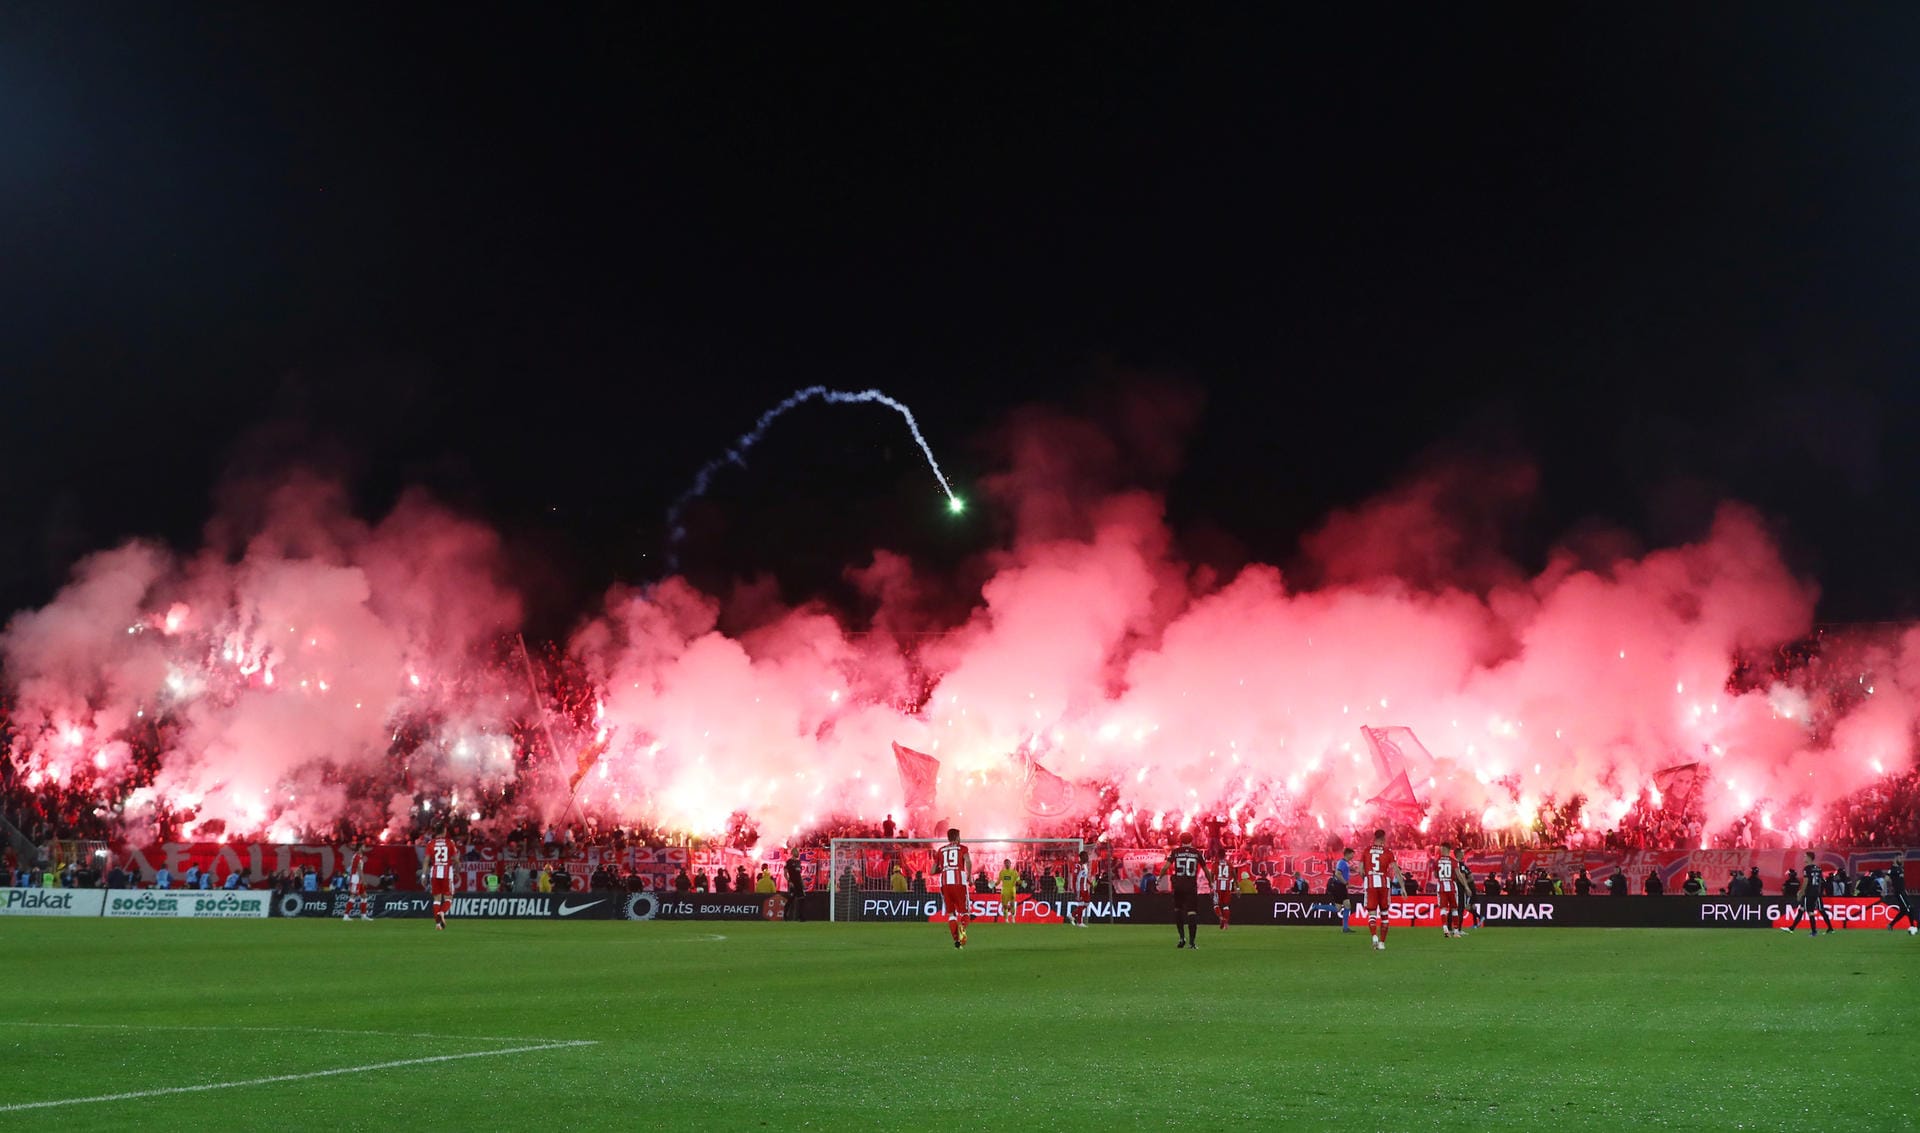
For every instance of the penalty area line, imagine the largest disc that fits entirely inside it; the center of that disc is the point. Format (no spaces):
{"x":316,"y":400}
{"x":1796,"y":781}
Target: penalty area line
{"x":267,"y":1081}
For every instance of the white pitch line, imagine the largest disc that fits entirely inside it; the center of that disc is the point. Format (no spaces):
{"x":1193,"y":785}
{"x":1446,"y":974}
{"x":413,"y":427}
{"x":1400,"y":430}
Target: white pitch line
{"x":219,"y":1029}
{"x":293,"y":1077}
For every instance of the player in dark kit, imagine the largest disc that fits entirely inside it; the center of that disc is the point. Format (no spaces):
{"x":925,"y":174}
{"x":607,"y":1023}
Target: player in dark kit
{"x":1897,"y":897}
{"x":1184,"y":867}
{"x":1813,"y":899}
{"x":1469,"y":892}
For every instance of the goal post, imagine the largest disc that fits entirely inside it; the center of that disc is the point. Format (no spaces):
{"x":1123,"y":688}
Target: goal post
{"x":863,"y":884}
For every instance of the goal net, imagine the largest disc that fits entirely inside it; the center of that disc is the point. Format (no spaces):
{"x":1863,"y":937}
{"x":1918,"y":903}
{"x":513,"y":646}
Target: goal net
{"x":892,"y":879}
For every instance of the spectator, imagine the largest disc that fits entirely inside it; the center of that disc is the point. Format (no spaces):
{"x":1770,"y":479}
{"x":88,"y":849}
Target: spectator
{"x":796,"y":888}
{"x":887,"y":828}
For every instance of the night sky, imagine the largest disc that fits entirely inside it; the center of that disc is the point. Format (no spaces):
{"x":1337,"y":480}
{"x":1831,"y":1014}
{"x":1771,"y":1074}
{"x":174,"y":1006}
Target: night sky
{"x":547,"y":260}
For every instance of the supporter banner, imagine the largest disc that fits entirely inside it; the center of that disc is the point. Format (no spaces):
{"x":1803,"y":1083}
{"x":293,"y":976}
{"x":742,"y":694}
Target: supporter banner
{"x":231,"y":904}
{"x":657,"y":867}
{"x":52,"y":902}
{"x":255,"y":861}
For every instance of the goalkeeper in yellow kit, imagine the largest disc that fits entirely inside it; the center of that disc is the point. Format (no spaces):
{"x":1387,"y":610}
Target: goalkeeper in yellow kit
{"x":1009,"y":890}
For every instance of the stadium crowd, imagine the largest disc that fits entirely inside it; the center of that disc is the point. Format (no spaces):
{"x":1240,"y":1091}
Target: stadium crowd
{"x":1835,"y":673}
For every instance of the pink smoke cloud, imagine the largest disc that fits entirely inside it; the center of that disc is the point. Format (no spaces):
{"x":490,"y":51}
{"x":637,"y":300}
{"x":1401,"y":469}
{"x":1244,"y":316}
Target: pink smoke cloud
{"x":309,"y":668}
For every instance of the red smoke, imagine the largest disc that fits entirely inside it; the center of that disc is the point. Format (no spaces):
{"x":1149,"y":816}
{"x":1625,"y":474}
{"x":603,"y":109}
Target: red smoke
{"x":322,"y":668}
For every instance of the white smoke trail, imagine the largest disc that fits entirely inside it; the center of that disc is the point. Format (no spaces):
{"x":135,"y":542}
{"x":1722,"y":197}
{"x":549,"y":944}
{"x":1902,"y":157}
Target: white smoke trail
{"x":737,"y":453}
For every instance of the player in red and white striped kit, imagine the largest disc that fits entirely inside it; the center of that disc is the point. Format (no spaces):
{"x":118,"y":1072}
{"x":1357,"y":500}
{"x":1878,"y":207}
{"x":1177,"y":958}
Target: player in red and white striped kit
{"x":953,"y":862}
{"x":1446,"y":888}
{"x":441,"y":859}
{"x":1083,"y":887}
{"x":357,"y":884}
{"x":1226,"y":882}
{"x":1376,"y":868}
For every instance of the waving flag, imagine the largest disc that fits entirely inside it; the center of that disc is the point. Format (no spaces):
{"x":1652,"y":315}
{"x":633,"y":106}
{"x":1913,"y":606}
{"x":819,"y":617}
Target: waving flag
{"x":1390,"y":747}
{"x":1047,"y":793}
{"x":919,"y":776}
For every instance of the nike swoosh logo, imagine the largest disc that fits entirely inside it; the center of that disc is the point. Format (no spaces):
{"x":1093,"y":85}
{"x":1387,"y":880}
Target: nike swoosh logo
{"x":567,"y":910}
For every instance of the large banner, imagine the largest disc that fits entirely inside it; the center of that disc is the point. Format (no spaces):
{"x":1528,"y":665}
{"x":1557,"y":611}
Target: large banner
{"x":228,"y":904}
{"x":255,"y":861}
{"x":52,"y":902}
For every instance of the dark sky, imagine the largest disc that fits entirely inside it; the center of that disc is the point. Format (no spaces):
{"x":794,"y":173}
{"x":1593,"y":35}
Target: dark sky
{"x":548,"y":259}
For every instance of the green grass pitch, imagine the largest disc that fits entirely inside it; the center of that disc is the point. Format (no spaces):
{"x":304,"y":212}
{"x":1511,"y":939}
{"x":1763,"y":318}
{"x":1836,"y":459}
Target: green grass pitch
{"x":749,"y":1026}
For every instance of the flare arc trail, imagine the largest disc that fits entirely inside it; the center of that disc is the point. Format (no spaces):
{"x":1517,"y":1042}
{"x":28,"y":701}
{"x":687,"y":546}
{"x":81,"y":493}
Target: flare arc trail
{"x":736,"y":454}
